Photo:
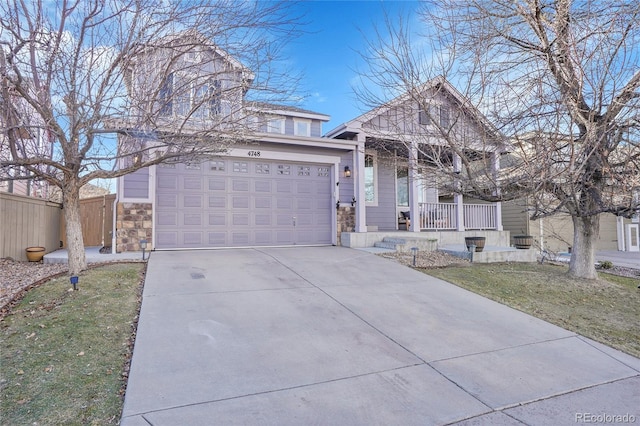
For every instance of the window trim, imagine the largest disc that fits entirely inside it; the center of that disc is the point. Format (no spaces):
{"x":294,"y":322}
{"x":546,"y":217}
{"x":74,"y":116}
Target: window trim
{"x":374,"y":157}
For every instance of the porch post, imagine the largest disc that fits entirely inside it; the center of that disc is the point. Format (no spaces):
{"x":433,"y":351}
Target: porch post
{"x":495,"y":171}
{"x":414,"y":187}
{"x":358,"y":182}
{"x":457,"y":197}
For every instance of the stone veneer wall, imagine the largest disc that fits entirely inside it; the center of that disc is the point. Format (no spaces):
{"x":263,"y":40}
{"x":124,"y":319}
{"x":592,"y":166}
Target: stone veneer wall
{"x":346,"y":220}
{"x":134,"y":222}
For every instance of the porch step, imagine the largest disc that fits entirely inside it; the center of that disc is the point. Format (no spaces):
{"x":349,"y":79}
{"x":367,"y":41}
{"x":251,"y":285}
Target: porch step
{"x":389,"y":243}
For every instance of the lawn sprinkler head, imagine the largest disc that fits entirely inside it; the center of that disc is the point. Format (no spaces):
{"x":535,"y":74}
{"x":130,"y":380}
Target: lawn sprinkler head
{"x":74,"y":282}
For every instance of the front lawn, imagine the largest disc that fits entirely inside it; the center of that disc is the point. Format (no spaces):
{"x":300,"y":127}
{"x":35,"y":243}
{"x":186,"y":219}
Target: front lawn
{"x":606,"y":310}
{"x":64,"y":352}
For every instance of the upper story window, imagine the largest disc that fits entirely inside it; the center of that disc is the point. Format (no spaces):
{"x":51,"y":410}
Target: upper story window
{"x":202,"y":100}
{"x":275,"y":125}
{"x":436,"y":114}
{"x":166,"y":96}
{"x":301,"y":127}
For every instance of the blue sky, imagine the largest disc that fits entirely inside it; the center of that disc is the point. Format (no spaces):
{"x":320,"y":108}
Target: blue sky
{"x":327,"y":54}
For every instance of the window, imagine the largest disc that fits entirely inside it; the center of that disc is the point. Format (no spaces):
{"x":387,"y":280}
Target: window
{"x":275,"y":125}
{"x":444,"y":117}
{"x":166,"y":96}
{"x":240,"y":167}
{"x":215,"y":97}
{"x":304,"y":171}
{"x":436,"y":114}
{"x":370,"y":179}
{"x":263,"y":169}
{"x":216,"y":165}
{"x":402,"y":187}
{"x":201,"y":101}
{"x":301,"y":127}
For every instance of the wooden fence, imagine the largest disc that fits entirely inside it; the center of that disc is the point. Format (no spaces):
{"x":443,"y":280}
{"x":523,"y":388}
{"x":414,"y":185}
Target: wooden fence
{"x":27,"y":222}
{"x":96,"y":215}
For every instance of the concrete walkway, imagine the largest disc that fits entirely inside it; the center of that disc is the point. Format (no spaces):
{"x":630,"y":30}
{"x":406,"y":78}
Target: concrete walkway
{"x":335,"y":336}
{"x":93,"y":255}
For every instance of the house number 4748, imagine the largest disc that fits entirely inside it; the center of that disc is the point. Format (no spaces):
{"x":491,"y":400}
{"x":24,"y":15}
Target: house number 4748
{"x":254,"y":153}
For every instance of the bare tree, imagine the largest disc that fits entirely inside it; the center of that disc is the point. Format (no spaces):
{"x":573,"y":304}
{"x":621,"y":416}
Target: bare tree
{"x":559,"y":81}
{"x":81,"y":70}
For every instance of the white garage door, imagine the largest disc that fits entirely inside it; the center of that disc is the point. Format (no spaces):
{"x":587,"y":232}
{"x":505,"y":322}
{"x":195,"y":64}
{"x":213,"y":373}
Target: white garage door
{"x":230,"y":202}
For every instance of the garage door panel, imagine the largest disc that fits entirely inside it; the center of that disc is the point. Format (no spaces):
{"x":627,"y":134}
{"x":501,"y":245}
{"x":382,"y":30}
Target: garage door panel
{"x":263,"y":219}
{"x":263,"y":237}
{"x":168,"y":200}
{"x":192,"y":183}
{"x":219,"y":202}
{"x":262,"y":203}
{"x":192,"y":219}
{"x":217,"y":239}
{"x":217,"y":184}
{"x":167,"y":238}
{"x":217,"y":219}
{"x":191,"y":201}
{"x":239,"y":219}
{"x":237,"y":202}
{"x":240,"y":202}
{"x":240,"y":185}
{"x":262,"y":186}
{"x":304,"y":203}
{"x":284,"y":186}
{"x":240,"y":238}
{"x":284,"y":203}
{"x":192,"y":239}
{"x":167,"y":218}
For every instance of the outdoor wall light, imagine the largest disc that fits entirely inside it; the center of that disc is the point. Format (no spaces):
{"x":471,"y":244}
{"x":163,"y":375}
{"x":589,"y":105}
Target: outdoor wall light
{"x":137,"y":159}
{"x":143,"y":246}
{"x":347,"y":171}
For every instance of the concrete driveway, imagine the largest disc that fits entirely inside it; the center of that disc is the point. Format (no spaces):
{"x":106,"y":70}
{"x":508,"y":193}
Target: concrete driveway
{"x":335,"y":336}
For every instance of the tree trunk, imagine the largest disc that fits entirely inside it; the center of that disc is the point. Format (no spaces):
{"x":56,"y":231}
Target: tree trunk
{"x":583,"y":256}
{"x":75,"y":244}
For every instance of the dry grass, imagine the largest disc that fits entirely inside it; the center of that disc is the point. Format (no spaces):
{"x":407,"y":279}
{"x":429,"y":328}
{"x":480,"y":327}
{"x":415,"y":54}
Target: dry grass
{"x":64,"y":352}
{"x":605,"y":310}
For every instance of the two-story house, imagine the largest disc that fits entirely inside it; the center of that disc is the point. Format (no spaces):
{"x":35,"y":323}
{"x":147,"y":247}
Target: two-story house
{"x":275,"y":181}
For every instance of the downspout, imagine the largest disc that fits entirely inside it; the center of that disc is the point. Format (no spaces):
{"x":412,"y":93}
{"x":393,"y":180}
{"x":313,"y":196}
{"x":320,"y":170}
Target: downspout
{"x":541,"y":227}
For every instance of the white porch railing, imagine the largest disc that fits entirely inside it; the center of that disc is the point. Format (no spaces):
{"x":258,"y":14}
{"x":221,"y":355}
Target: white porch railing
{"x":443,"y":216}
{"x":480,"y":216}
{"x":438,"y":216}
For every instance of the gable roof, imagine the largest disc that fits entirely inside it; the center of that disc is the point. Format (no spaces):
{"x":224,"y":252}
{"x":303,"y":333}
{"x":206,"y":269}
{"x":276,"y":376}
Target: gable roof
{"x":440,"y":83}
{"x":191,"y":38}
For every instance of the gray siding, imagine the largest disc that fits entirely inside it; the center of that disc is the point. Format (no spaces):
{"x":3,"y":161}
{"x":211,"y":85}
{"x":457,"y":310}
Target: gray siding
{"x":316,"y":128}
{"x":384,"y":215}
{"x":515,"y":218}
{"x":345,"y":189}
{"x":136,"y":184}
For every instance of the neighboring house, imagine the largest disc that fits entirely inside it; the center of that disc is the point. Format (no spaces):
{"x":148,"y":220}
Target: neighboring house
{"x":32,"y":140}
{"x":399,"y":181}
{"x":555,"y":233}
{"x":278,"y":187}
